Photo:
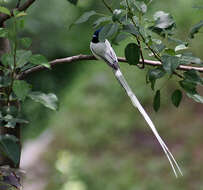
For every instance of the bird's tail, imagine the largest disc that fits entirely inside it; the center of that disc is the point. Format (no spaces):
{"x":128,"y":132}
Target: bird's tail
{"x":137,"y":104}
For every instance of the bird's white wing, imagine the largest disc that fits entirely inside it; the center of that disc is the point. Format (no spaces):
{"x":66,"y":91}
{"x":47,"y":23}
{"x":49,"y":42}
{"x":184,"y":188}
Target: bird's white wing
{"x":110,"y":53}
{"x":104,"y":51}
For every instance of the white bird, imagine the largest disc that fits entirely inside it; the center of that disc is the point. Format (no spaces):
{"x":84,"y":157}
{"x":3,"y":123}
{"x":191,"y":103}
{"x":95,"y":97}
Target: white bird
{"x":104,"y":51}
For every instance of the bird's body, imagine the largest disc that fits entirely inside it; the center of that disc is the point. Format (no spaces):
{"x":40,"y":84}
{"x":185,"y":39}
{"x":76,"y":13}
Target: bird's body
{"x":104,"y":51}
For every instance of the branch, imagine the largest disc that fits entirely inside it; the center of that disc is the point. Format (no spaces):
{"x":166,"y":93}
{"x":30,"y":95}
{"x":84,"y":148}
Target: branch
{"x":107,"y":6}
{"x":24,"y":7}
{"x":91,"y":57}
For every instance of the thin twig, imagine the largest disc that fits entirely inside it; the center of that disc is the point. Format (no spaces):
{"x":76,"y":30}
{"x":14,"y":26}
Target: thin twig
{"x":91,"y":57}
{"x":107,"y":6}
{"x":18,"y":4}
{"x":24,"y":7}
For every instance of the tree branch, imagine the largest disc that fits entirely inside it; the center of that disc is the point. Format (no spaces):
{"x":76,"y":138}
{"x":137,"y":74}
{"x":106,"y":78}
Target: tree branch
{"x":24,"y":7}
{"x":91,"y":57}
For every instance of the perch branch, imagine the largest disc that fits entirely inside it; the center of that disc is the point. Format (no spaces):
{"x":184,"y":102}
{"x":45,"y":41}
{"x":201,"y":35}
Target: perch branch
{"x":91,"y":57}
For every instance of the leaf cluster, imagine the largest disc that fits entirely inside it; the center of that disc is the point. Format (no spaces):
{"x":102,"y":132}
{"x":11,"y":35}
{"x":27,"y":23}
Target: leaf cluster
{"x":154,"y":36}
{"x":13,"y":90}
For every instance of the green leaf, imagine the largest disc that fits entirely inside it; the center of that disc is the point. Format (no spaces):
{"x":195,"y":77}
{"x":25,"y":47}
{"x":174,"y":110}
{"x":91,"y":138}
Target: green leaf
{"x":12,"y":121}
{"x":73,"y":1}
{"x":48,"y":100}
{"x":132,"y":53}
{"x":119,"y":37}
{"x":188,"y":86}
{"x":195,"y":29}
{"x":193,"y":76}
{"x":158,"y":47}
{"x":5,"y":10}
{"x":163,"y":20}
{"x":181,"y":47}
{"x":163,"y":24}
{"x":170,"y":51}
{"x":188,"y":59}
{"x":3,"y":32}
{"x":85,"y":17}
{"x":130,"y":28}
{"x":156,"y":73}
{"x":176,"y":97}
{"x":157,"y":100}
{"x":22,"y":57}
{"x":11,"y":147}
{"x":177,"y":41}
{"x":141,"y":6}
{"x":20,"y":14}
{"x":39,"y":60}
{"x":7,"y":60}
{"x":26,"y":42}
{"x":21,"y":89}
{"x":101,"y":21}
{"x":196,"y":97}
{"x":117,"y":14}
{"x":170,"y":63}
{"x":108,"y":31}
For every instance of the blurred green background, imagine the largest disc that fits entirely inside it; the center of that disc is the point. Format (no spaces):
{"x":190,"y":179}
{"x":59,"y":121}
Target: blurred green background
{"x":98,"y":140}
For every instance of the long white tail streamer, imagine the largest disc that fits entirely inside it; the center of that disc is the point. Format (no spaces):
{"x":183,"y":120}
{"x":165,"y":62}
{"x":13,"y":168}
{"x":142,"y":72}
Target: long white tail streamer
{"x":137,"y":104}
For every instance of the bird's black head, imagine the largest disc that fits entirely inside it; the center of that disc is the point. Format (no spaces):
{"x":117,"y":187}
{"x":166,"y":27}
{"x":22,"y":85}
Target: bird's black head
{"x":95,"y":38}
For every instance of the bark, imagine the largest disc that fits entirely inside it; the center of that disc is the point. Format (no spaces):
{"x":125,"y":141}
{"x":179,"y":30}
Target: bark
{"x":9,"y":178}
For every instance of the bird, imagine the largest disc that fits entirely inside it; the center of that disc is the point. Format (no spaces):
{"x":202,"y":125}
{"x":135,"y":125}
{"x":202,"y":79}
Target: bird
{"x":103,"y":50}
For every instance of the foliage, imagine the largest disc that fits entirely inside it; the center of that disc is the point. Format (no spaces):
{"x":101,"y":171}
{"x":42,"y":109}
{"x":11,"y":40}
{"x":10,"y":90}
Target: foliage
{"x":95,"y":133}
{"x":131,"y":19}
{"x":14,"y":90}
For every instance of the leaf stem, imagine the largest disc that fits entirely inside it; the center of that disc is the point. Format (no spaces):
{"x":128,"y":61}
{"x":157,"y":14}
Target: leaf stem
{"x":107,"y":6}
{"x":14,"y":63}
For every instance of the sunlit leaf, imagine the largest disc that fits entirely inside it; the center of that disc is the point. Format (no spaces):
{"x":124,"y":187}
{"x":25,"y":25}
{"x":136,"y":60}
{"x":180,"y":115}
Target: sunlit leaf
{"x":48,"y":100}
{"x":38,"y":59}
{"x":12,"y":121}
{"x":196,"y":97}
{"x":3,"y":32}
{"x":5,"y":10}
{"x":117,"y":14}
{"x":163,"y":20}
{"x":180,"y":47}
{"x":20,"y":14}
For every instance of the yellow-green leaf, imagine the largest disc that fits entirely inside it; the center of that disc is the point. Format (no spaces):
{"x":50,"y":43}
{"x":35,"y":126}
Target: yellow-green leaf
{"x":5,"y":10}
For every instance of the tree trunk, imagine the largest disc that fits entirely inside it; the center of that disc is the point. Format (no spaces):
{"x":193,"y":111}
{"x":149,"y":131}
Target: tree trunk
{"x":9,"y":175}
